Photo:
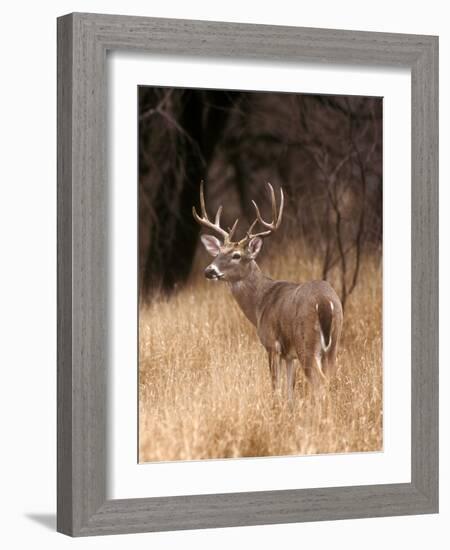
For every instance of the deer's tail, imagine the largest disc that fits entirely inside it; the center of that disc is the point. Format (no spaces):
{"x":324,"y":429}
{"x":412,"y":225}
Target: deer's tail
{"x":325,"y":311}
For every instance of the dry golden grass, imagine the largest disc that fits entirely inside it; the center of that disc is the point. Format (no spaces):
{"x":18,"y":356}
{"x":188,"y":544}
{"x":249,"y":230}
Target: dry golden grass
{"x":204,"y":386}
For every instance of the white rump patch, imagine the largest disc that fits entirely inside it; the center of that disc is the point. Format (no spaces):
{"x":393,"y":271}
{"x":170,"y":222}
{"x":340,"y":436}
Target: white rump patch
{"x":322,"y":342}
{"x":325,"y":347}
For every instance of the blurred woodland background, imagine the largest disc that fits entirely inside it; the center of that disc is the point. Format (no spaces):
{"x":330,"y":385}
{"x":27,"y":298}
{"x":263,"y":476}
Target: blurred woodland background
{"x":326,"y":152}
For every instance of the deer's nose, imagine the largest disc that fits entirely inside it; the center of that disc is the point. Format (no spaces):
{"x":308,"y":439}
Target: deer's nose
{"x":211,"y":272}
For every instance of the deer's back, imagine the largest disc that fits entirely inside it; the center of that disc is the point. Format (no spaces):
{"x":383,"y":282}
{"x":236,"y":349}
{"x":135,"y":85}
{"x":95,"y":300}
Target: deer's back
{"x":287,"y":314}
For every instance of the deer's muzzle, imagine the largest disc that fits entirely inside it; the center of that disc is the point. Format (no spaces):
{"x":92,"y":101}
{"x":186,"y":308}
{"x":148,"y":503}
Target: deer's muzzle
{"x":211,"y":272}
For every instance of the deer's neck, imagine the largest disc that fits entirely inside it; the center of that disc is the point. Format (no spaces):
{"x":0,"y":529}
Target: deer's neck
{"x":248,"y":291}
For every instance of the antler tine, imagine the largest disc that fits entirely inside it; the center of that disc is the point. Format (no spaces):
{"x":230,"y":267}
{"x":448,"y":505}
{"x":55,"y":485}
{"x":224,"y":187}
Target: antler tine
{"x":219,"y":213}
{"x":248,"y":234}
{"x":250,"y":229}
{"x":204,"y":220}
{"x":276,"y":216}
{"x":280,"y":211}
{"x":233,"y":229}
{"x":202,"y":201}
{"x":273,"y":202}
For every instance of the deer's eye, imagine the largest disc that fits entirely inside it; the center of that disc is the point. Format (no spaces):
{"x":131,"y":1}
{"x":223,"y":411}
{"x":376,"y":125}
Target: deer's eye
{"x":236,"y":256}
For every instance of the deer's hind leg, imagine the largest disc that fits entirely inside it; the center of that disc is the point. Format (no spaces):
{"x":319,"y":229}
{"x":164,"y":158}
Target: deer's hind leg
{"x":274,"y":366}
{"x":329,"y":366}
{"x":317,"y":381}
{"x":314,"y":372}
{"x":290,"y":377}
{"x":310,"y":358}
{"x":329,"y":362}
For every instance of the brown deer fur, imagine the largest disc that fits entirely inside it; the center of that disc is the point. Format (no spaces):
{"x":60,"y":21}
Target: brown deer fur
{"x":293,"y":321}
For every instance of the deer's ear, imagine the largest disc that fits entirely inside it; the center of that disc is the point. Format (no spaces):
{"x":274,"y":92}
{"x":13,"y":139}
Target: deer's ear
{"x":212,"y":244}
{"x":254,"y":247}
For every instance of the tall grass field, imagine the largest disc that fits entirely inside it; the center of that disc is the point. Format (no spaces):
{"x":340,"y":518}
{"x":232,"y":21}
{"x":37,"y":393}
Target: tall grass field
{"x":204,"y":383}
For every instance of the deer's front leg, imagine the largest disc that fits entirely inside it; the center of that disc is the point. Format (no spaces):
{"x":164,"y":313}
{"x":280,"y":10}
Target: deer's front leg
{"x":274,"y":369}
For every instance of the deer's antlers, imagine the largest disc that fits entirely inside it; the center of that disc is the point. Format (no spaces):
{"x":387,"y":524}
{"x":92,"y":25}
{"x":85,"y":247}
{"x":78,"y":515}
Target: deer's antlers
{"x":227,"y":236}
{"x":276,"y":217}
{"x":204,"y":220}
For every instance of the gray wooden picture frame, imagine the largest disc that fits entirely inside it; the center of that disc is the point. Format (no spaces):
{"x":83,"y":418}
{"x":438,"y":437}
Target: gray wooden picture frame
{"x":83,"y":42}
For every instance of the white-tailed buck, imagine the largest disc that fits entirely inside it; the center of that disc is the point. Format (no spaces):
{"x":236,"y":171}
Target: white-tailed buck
{"x":294,"y":321}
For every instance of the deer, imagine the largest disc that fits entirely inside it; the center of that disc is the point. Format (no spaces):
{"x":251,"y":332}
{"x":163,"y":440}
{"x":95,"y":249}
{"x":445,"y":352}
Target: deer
{"x":297,"y":323}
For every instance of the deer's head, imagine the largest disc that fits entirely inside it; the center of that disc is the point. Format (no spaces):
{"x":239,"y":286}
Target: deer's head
{"x":232,"y":259}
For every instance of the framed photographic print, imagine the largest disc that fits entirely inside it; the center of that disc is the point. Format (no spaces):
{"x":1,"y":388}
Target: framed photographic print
{"x":209,"y":396}
{"x":247,"y":274}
